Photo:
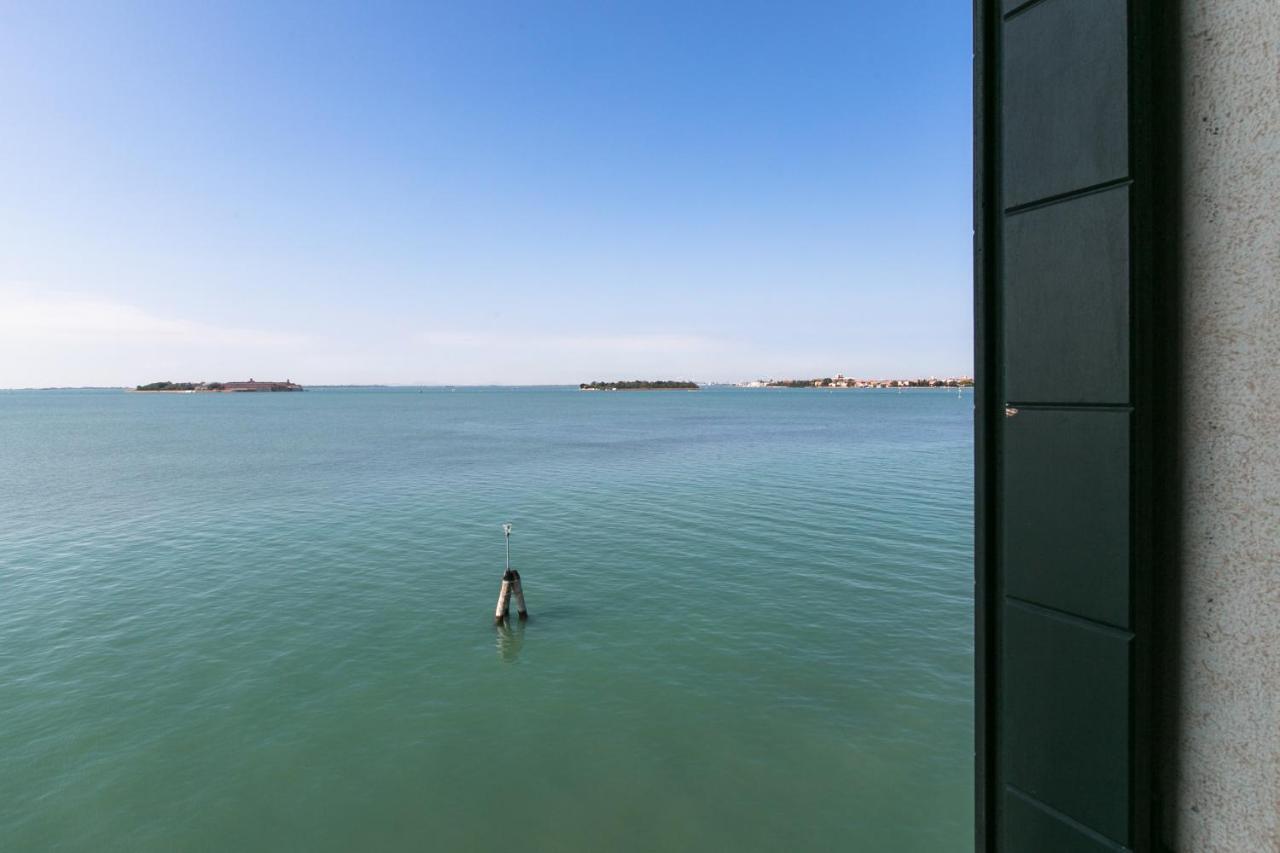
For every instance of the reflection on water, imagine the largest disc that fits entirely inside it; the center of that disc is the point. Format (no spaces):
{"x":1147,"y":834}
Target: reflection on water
{"x":510,"y":640}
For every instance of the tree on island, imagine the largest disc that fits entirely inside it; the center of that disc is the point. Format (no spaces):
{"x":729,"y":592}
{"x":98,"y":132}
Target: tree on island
{"x":168,"y":386}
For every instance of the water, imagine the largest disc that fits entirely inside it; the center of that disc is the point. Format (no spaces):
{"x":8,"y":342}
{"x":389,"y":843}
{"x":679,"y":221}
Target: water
{"x":262,"y":622}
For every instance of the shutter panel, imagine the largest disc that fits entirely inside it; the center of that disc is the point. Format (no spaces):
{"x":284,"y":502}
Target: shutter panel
{"x":1061,"y":251}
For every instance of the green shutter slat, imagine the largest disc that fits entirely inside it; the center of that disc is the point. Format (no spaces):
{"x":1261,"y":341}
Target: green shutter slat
{"x":1066,"y":716}
{"x":1066,"y":300}
{"x":1066,"y":511}
{"x":1032,"y":826}
{"x":1064,"y":92}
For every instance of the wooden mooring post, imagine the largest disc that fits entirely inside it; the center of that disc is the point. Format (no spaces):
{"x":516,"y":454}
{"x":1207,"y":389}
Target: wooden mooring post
{"x":517,"y":592}
{"x":504,"y":596}
{"x":510,"y":587}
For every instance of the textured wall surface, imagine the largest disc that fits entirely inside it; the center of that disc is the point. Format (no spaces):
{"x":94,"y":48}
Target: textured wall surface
{"x":1227,"y":794}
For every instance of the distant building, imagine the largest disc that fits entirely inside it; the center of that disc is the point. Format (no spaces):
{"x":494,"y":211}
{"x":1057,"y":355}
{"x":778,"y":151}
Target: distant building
{"x":254,"y":385}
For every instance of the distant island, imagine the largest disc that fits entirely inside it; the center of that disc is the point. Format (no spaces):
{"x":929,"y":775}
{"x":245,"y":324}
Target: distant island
{"x":220,"y":387}
{"x":639,"y":385}
{"x":842,"y":381}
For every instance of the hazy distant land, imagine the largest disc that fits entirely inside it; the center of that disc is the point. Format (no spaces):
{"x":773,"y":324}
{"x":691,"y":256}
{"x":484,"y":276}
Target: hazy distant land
{"x":640,"y":385}
{"x":218,"y":387}
{"x":841,"y":381}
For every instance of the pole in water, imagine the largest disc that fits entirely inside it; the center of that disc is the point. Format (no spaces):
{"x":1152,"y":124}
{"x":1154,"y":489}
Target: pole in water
{"x":510,"y":587}
{"x":517,"y":591}
{"x":504,"y":595}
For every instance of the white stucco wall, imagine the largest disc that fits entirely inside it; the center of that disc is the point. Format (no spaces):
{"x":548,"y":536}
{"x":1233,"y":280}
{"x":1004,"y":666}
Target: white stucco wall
{"x":1227,"y":788}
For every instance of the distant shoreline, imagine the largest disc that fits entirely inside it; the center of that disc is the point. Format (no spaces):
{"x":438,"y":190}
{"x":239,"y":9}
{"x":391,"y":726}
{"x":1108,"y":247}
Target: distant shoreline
{"x":640,"y":385}
{"x":842,"y":381}
{"x":236,"y":387}
{"x":490,"y":386}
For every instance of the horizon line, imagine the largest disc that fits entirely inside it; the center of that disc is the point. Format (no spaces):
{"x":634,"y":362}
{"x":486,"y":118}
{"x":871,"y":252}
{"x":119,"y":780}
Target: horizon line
{"x":736,"y":383}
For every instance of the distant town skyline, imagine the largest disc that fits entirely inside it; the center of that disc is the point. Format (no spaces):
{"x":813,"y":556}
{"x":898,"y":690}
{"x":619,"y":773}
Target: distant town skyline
{"x":484,"y":193}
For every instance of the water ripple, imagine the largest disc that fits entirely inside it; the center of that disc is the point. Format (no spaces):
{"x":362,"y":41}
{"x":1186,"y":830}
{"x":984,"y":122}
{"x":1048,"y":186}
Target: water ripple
{"x":262,"y":622}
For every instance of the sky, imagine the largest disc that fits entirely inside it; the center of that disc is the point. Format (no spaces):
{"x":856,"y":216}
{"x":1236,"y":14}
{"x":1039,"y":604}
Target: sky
{"x":483,"y":192}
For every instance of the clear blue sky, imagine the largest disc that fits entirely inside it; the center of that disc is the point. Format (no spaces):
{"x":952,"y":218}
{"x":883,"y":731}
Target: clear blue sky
{"x":480,"y":192}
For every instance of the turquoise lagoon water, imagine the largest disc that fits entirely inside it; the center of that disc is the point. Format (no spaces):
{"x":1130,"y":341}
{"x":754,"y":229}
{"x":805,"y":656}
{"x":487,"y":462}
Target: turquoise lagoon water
{"x":262,"y":622}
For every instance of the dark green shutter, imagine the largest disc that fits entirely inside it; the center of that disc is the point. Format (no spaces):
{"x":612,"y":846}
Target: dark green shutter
{"x":1064,"y":314}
